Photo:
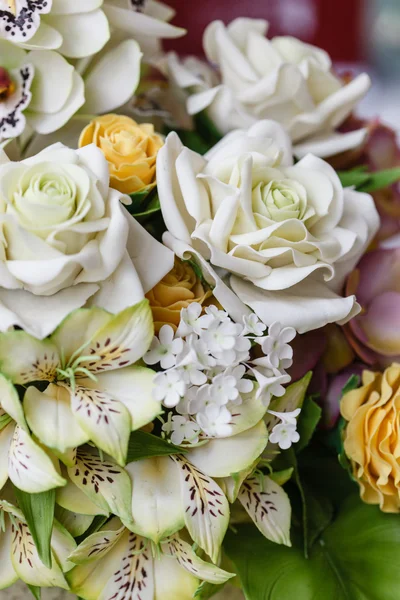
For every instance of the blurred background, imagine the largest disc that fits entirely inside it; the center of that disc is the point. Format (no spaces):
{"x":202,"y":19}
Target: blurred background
{"x":358,"y":34}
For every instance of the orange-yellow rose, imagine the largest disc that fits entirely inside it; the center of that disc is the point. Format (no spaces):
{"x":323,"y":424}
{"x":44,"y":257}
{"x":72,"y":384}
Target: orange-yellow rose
{"x":130,"y":149}
{"x":372,"y":437}
{"x":177,"y":290}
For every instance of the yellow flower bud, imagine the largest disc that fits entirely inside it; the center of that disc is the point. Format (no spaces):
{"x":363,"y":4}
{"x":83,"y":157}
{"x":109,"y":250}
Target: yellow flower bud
{"x":130,"y":149}
{"x":179,"y":288}
{"x":371,"y":438}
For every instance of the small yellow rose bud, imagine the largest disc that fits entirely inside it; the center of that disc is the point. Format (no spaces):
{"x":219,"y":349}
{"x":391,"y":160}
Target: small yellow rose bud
{"x":130,"y":149}
{"x":179,"y":288}
{"x":371,"y":437}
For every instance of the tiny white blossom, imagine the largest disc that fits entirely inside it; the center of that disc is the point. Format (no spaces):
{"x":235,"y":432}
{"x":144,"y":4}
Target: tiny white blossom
{"x":201,"y":353}
{"x":244,"y":386}
{"x":190,"y":320}
{"x":215,"y":421}
{"x":213,"y":315}
{"x":253,"y":325}
{"x":182,"y":429}
{"x":169,"y":388}
{"x":276,"y":345}
{"x":270,"y":382}
{"x":287,"y":417}
{"x":224,"y":388}
{"x":220,"y":337}
{"x":164,"y":349}
{"x":284,"y":434}
{"x":203,"y":399}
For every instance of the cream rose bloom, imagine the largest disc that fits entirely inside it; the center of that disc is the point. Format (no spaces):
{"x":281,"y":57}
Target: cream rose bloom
{"x":66,"y":237}
{"x":288,"y":234}
{"x":281,"y":78}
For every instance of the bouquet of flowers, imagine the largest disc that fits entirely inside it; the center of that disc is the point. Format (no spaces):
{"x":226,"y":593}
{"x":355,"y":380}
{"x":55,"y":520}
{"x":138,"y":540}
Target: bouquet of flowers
{"x":199,"y":393}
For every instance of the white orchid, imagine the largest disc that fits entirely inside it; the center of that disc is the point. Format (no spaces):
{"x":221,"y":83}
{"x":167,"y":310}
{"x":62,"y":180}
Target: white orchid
{"x":93,"y":382}
{"x":20,"y":558}
{"x":117,"y":561}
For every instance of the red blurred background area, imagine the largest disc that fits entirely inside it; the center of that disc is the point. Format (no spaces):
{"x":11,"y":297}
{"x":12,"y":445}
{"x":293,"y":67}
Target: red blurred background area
{"x":335,"y":25}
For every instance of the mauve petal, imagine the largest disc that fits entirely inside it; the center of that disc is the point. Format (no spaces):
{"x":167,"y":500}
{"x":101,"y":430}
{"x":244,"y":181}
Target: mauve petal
{"x":307,"y":350}
{"x":331,"y":400}
{"x":381,"y":323}
{"x":379,"y":272}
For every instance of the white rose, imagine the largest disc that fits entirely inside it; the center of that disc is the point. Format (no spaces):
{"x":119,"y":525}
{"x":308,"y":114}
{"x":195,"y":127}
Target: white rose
{"x":282,"y":79}
{"x":287,"y":233}
{"x":66,"y":237}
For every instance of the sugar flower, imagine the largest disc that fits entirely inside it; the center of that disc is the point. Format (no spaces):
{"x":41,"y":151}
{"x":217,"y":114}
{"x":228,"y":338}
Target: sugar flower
{"x":88,"y":364}
{"x":285,"y":235}
{"x":65,"y":239}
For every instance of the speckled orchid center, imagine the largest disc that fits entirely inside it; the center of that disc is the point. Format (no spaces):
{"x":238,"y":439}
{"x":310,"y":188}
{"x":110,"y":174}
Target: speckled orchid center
{"x":7,"y":86}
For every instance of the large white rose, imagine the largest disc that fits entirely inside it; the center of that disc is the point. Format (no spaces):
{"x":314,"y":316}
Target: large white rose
{"x":288,"y":234}
{"x":282,"y":79}
{"x":66,"y":237}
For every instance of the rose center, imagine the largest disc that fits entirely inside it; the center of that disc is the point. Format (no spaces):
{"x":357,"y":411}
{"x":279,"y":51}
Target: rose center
{"x":7,"y":86}
{"x":283,"y":199}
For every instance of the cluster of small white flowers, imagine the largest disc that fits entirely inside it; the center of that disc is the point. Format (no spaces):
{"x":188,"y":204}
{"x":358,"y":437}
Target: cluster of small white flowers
{"x":207,"y":369}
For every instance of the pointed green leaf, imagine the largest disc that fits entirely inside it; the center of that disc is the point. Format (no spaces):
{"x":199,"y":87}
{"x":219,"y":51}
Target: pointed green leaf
{"x":307,"y":422}
{"x":36,"y":591}
{"x":355,"y":559}
{"x":145,"y":445}
{"x":38,"y":510}
{"x":380,"y":180}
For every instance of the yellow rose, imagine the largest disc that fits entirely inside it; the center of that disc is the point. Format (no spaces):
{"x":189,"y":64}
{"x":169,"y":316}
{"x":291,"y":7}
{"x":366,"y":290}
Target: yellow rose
{"x":130,"y":149}
{"x":177,"y":290}
{"x":372,"y":437}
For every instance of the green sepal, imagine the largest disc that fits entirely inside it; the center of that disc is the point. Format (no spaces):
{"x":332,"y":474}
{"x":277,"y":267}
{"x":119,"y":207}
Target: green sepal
{"x":307,"y":422}
{"x":35,"y":591}
{"x":365,"y":181}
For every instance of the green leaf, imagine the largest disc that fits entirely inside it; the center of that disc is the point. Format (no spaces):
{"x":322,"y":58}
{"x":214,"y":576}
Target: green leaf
{"x":355,"y":177}
{"x":356,"y":558}
{"x":138,"y":200}
{"x":145,"y":445}
{"x":151,"y":207}
{"x":282,"y":477}
{"x":380,"y":180}
{"x":307,"y":422}
{"x":207,"y":129}
{"x":351,"y":384}
{"x":38,"y":510}
{"x":207,"y":590}
{"x":36,"y":591}
{"x":96,"y":524}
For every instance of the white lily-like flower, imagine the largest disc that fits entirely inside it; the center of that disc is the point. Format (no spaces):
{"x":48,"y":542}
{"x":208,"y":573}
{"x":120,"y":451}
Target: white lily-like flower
{"x":115,"y":561}
{"x":93,"y":382}
{"x":22,"y":460}
{"x":20,"y":558}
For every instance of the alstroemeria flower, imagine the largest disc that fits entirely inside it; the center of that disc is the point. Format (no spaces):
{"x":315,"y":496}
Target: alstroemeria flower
{"x":22,"y":461}
{"x":66,"y":237}
{"x":169,"y":493}
{"x":288,"y":234}
{"x":20,"y":558}
{"x":116,"y":561}
{"x":281,"y":78}
{"x":43,"y":89}
{"x":93,"y":382}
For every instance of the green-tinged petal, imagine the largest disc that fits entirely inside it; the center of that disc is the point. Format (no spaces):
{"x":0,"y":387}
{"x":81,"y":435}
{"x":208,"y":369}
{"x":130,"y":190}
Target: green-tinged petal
{"x":4,"y":418}
{"x":104,"y":482}
{"x":51,"y":419}
{"x":172,"y":581}
{"x":10,"y":402}
{"x":232,"y":484}
{"x":98,"y":544}
{"x":125,"y":571}
{"x":206,"y":508}
{"x":157,"y":508}
{"x":247,"y":414}
{"x":74,"y":523}
{"x":29,"y":467}
{"x":222,"y":457}
{"x":23,"y":358}
{"x":189,"y":560}
{"x":27,"y":563}
{"x":106,"y":421}
{"x":73,"y":499}
{"x":269,"y":506}
{"x":68,"y":457}
{"x":125,"y":339}
{"x":76,"y":331}
{"x":62,"y":545}
{"x":8,"y":576}
{"x":12,"y":509}
{"x":133,"y":387}
{"x":6,"y":436}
